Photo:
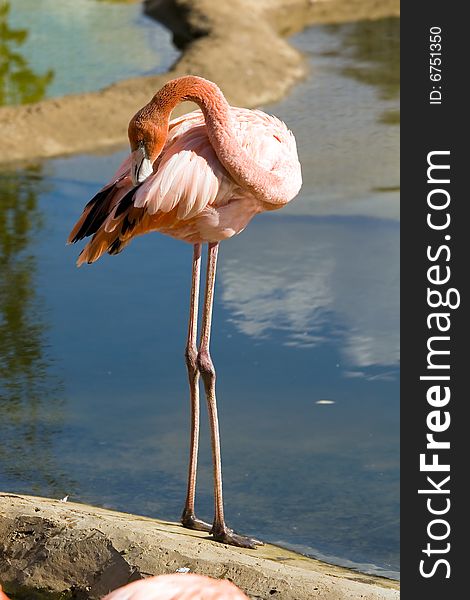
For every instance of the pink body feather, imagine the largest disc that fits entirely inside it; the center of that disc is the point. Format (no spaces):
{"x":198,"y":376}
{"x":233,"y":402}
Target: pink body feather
{"x":178,"y":587}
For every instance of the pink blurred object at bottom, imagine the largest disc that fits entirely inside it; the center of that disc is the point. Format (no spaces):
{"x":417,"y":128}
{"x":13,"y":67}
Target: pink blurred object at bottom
{"x":2,"y":595}
{"x":179,"y":586}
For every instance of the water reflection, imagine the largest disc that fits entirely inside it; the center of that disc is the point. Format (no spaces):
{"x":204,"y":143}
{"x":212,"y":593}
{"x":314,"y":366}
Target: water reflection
{"x":371,"y":49}
{"x":302,"y":277}
{"x":325,"y":271}
{"x":349,"y":154}
{"x":82,"y":43}
{"x":19,"y":83}
{"x":30,"y":409}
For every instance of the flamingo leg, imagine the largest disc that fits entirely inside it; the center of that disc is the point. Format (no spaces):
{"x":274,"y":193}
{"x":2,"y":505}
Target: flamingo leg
{"x":220,"y":531}
{"x":188,"y":518}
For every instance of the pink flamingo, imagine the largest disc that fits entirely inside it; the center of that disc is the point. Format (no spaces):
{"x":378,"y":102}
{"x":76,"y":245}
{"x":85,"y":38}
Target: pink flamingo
{"x":198,"y":178}
{"x":3,"y":596}
{"x":174,"y":587}
{"x":178,"y":587}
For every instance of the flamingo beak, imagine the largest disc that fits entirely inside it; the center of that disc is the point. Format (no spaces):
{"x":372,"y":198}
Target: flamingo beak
{"x":141,"y":166}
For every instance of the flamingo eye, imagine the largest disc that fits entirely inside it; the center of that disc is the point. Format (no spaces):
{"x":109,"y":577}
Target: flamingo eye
{"x":142,"y":146}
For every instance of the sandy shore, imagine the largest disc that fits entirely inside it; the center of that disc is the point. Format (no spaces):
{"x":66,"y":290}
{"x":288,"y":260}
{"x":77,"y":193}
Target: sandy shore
{"x":81,"y":551}
{"x":241,"y":45}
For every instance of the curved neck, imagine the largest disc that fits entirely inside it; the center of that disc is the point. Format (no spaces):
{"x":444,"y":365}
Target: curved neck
{"x":265,"y":185}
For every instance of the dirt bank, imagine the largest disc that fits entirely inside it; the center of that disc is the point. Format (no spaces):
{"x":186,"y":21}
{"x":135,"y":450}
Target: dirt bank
{"x":239,"y":44}
{"x":82,"y":552}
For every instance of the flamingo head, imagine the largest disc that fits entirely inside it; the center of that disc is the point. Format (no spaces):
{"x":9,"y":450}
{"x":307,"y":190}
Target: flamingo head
{"x":146,"y":140}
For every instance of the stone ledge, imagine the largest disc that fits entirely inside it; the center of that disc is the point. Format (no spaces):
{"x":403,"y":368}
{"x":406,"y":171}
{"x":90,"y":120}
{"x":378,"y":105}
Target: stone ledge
{"x":53,"y":549}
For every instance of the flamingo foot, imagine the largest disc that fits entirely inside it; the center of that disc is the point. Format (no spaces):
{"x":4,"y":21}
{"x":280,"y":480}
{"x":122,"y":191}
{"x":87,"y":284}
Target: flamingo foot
{"x":190,"y":521}
{"x":227,"y":536}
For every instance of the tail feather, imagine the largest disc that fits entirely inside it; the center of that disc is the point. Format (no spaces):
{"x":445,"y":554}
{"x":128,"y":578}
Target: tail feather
{"x":94,"y":215}
{"x":114,"y":241}
{"x":98,"y":245}
{"x":110,"y":217}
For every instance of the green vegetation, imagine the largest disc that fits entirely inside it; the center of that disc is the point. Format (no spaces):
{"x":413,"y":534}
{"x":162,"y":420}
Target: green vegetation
{"x":18,"y":82}
{"x":30,"y":402}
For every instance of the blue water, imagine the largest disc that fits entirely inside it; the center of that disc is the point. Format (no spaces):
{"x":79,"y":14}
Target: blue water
{"x":52,"y":48}
{"x":93,"y":388}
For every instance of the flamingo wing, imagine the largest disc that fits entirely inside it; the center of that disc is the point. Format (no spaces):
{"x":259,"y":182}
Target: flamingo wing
{"x":187,"y":178}
{"x":97,"y":210}
{"x":189,"y":175}
{"x":268,"y":141}
{"x":189,"y":194}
